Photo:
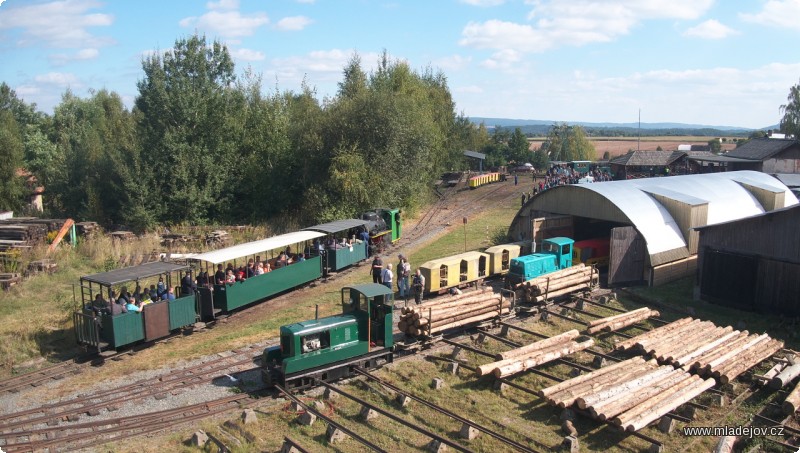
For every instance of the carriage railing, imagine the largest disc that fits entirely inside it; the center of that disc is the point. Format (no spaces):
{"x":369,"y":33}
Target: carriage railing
{"x":87,"y":330}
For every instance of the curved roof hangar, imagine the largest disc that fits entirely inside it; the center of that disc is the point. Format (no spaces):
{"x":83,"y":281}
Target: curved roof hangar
{"x":664,"y":210}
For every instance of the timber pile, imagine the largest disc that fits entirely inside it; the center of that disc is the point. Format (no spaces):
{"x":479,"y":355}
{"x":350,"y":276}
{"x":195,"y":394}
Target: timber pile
{"x":87,"y":228}
{"x":613,"y":323}
{"x":534,"y":354}
{"x":445,"y":313}
{"x":218,"y":237}
{"x":792,"y":401}
{"x":7,"y":280}
{"x":701,"y":346}
{"x":631,"y":394}
{"x":558,"y":283}
{"x":27,"y":233}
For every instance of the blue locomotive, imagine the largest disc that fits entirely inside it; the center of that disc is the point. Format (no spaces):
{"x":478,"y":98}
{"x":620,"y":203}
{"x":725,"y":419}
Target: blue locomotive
{"x":556,"y":254}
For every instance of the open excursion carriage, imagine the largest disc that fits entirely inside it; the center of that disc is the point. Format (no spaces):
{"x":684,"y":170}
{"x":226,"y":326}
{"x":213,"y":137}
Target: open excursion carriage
{"x":99,"y":330}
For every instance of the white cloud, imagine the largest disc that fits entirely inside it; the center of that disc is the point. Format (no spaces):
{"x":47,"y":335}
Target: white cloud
{"x":230,"y":24}
{"x":710,"y":29}
{"x":81,"y":55}
{"x":60,"y":79}
{"x":293,"y":23}
{"x":483,"y":2}
{"x":779,"y":13}
{"x":504,"y":59}
{"x":248,"y":55}
{"x":452,"y":63}
{"x":575,"y":23}
{"x":59,"y":24}
{"x":320,"y":66}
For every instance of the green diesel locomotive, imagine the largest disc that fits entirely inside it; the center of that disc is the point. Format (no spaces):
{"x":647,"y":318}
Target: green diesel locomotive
{"x":328,"y":349}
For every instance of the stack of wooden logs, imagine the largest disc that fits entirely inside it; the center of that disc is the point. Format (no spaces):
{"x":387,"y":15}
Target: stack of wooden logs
{"x":445,"y":313}
{"x":558,"y":283}
{"x":534,"y":354}
{"x":87,"y":228}
{"x":613,"y":323}
{"x":631,"y":394}
{"x":16,"y":235}
{"x":718,"y":352}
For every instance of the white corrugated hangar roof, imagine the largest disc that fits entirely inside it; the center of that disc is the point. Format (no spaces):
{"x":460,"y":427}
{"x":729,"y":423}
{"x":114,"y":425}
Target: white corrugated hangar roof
{"x":651,"y":205}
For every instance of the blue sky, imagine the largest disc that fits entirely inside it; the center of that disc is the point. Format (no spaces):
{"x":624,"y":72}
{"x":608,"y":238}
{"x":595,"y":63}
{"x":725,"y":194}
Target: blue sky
{"x":728,"y":63}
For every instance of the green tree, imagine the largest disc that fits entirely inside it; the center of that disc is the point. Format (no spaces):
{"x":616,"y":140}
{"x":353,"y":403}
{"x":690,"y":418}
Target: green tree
{"x":790,"y":123}
{"x":93,"y":172}
{"x":12,"y":189}
{"x":190,"y":123}
{"x":518,"y":147}
{"x":567,"y":143}
{"x":714,"y":145}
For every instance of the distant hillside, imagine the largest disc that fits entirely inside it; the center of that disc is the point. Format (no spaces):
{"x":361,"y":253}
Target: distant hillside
{"x":541,"y":127}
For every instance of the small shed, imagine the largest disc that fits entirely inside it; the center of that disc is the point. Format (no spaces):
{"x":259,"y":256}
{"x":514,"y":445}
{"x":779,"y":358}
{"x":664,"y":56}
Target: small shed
{"x":752,"y":263}
{"x":770,"y":155}
{"x":645,"y":164}
{"x":476,"y":155}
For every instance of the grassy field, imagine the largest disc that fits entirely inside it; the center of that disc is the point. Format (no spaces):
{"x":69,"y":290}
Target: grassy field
{"x":617,"y":146}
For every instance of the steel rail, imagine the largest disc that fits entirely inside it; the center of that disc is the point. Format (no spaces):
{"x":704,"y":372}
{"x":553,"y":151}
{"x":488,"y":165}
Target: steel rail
{"x":187,"y":377}
{"x":396,"y":418}
{"x":328,"y":420}
{"x":444,"y":411}
{"x":122,"y":428}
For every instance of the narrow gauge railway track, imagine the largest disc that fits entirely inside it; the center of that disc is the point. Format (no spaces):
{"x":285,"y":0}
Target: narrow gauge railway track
{"x":84,"y":435}
{"x":426,"y":224}
{"x":27,"y":381}
{"x":386,"y":384}
{"x":23,"y":422}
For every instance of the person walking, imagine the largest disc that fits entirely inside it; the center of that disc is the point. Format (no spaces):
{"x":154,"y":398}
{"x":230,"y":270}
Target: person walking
{"x":403,"y":273}
{"x":418,"y":286}
{"x":387,"y":276}
{"x":377,"y":269}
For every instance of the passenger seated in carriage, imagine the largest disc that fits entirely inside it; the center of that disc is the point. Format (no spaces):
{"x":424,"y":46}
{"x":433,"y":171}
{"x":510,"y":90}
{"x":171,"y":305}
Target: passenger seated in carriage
{"x":283,"y":260}
{"x":219,"y":276}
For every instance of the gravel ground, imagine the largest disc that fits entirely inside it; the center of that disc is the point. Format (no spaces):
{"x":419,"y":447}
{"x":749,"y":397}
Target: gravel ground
{"x":209,"y":390}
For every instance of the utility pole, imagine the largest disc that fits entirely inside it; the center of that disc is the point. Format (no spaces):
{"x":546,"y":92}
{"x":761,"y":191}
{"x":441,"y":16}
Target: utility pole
{"x":639,"y":135}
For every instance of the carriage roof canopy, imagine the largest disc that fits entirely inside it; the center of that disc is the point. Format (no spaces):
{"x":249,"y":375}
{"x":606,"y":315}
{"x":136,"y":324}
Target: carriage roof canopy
{"x":130,"y":274}
{"x":255,"y":247}
{"x":336,"y":226}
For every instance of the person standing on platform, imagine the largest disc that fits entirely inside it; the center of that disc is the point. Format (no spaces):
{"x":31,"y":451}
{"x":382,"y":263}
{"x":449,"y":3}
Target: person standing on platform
{"x":377,"y":269}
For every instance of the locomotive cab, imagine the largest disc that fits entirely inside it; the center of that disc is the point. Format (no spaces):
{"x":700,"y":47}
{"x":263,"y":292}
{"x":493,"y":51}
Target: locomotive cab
{"x":556,"y":254}
{"x":328,"y":348}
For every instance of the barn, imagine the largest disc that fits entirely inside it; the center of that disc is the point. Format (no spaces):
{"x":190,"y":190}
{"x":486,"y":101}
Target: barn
{"x":770,"y":155}
{"x":650,"y":222}
{"x":752,"y":263}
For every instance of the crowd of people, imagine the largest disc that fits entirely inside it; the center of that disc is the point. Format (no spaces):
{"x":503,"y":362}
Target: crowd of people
{"x":562,"y":175}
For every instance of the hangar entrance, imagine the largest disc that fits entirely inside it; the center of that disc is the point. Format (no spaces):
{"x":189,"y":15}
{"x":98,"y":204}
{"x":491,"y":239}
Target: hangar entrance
{"x":626,"y":256}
